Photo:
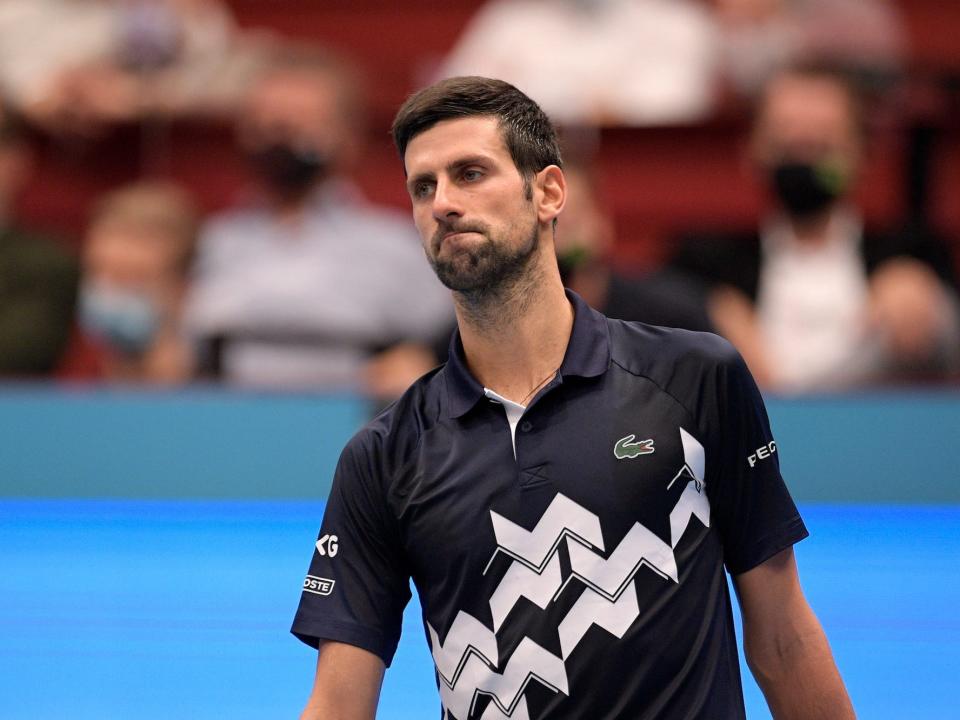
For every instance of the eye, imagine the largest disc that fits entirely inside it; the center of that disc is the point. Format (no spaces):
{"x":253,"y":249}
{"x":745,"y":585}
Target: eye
{"x":421,"y":189}
{"x":472,"y":174}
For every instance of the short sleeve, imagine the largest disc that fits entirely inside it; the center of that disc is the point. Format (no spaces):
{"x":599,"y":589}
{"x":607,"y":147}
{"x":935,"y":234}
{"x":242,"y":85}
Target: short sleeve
{"x":755,"y":514}
{"x":358,"y":583}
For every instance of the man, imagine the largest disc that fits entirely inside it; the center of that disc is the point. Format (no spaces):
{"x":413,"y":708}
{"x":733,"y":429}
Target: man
{"x":625,"y":62}
{"x":134,"y":277}
{"x":813,"y":300}
{"x":74,"y":67}
{"x":305,"y":286}
{"x":566,"y":490}
{"x":38,"y":276}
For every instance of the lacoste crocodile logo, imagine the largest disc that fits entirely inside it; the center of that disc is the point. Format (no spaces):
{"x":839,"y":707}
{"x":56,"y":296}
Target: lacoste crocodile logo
{"x":626,"y":448}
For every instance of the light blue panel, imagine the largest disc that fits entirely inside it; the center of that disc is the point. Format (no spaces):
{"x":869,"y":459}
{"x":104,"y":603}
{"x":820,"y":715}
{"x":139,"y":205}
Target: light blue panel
{"x":883,"y":581}
{"x":158,"y":610}
{"x":896,"y":447}
{"x":140,"y":609}
{"x":191,"y":444}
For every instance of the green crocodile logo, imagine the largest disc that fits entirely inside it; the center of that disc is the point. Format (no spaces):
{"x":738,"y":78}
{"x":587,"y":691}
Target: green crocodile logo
{"x":626,"y":447}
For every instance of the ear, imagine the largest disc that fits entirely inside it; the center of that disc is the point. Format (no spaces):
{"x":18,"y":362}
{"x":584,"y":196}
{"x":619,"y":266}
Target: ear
{"x":551,"y":193}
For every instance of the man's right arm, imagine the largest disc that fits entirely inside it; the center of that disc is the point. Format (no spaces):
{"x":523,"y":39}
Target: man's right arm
{"x":347,"y":684}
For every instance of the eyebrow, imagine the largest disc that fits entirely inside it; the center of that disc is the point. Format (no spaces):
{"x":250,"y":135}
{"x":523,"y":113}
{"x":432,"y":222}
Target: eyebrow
{"x":450,"y":168}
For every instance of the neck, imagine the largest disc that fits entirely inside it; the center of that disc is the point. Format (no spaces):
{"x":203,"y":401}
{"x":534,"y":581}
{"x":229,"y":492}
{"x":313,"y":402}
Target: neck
{"x":814,"y":230}
{"x":290,"y":212}
{"x":515,"y":338}
{"x":290,"y":208}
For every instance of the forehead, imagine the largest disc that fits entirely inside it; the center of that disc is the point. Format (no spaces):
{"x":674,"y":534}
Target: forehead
{"x":808,"y":104}
{"x":120,"y":246}
{"x":285,"y":91}
{"x":450,"y":140}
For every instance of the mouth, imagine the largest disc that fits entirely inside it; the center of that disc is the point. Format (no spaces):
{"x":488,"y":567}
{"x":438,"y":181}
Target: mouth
{"x":457,"y":234}
{"x":455,"y":237}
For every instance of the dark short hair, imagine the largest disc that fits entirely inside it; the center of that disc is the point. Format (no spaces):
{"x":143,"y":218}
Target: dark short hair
{"x":527,"y":131}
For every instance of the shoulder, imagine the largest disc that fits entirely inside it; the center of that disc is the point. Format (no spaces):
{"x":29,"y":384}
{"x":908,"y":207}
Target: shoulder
{"x":712,"y":252}
{"x":721,"y":258}
{"x":373,"y":228}
{"x":348,"y":205}
{"x":383,"y":216}
{"x":228,"y":225}
{"x":700,"y":370}
{"x":38,"y":254}
{"x":658,"y":352}
{"x":385,"y":445}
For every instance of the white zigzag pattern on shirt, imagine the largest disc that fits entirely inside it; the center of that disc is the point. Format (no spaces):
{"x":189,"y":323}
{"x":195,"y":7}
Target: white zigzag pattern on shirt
{"x":466,"y":662}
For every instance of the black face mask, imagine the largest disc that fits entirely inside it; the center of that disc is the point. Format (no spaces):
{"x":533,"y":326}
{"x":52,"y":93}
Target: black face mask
{"x":287,"y":170}
{"x":805,"y":189}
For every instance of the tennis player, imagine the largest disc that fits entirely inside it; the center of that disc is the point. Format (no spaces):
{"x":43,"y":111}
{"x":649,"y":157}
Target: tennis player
{"x":568,"y":492}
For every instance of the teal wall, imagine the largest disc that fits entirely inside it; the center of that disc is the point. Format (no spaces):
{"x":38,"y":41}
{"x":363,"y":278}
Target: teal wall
{"x":884,"y":448}
{"x":193,"y":444}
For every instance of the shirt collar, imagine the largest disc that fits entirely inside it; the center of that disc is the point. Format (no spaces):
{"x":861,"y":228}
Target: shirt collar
{"x":587,"y":355}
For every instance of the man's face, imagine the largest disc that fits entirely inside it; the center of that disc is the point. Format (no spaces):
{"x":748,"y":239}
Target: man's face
{"x":474,"y":212}
{"x":294,"y":107}
{"x":130,"y":258}
{"x":807,"y":119}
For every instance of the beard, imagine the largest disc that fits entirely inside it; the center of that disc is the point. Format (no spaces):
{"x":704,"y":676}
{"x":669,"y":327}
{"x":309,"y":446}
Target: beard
{"x":484,"y":269}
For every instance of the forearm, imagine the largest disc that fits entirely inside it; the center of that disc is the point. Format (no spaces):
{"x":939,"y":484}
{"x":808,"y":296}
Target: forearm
{"x":331,"y":708}
{"x":346,"y":686}
{"x":798,"y":675}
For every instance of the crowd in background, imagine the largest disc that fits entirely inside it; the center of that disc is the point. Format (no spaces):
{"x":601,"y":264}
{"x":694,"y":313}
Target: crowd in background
{"x":303,"y":283}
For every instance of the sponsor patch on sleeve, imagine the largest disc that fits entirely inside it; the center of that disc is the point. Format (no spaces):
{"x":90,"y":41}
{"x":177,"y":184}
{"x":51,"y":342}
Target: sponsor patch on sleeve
{"x":317,"y":585}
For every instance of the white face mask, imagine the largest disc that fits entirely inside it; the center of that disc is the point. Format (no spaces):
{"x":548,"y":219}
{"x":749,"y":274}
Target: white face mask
{"x":126,"y":320}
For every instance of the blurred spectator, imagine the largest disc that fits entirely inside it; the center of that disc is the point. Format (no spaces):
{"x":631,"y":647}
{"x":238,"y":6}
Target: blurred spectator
{"x":584,"y":242}
{"x":72,"y":65}
{"x":303,"y":288}
{"x":812,"y":300}
{"x":38,"y":277}
{"x":760,"y":37}
{"x":136,"y":258}
{"x":616,"y":62}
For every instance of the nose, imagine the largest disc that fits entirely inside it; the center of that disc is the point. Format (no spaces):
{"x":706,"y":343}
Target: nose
{"x":446,"y":202}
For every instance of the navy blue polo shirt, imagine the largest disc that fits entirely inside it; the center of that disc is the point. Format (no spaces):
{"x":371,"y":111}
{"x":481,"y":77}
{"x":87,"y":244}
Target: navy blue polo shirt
{"x":582,"y":577}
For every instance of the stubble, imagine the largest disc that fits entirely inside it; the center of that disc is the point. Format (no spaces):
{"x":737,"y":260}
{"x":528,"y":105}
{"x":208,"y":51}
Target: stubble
{"x":492,"y":281}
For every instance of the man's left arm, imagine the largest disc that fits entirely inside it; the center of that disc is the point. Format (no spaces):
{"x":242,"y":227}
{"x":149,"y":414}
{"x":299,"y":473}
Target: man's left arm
{"x":785,"y":646}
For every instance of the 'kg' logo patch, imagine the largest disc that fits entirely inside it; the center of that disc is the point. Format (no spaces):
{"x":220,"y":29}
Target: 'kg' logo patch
{"x":626,"y":448}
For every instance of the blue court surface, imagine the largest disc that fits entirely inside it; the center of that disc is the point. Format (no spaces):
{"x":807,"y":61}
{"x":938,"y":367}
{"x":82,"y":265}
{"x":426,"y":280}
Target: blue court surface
{"x":181,"y":609}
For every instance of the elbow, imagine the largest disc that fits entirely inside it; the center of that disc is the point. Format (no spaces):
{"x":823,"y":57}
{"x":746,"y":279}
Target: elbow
{"x":771,"y":659}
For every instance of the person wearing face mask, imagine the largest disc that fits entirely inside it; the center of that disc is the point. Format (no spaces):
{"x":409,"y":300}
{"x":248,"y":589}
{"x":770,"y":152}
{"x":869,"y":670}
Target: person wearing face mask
{"x":310,"y":285}
{"x":134,"y":278}
{"x":814,"y":300}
